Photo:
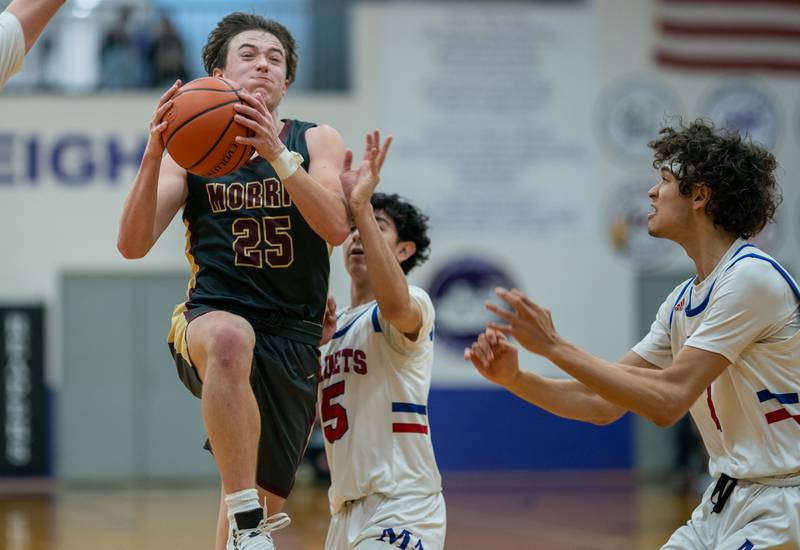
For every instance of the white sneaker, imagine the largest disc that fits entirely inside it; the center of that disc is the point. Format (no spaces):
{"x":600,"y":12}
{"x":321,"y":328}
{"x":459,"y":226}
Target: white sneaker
{"x":259,"y":538}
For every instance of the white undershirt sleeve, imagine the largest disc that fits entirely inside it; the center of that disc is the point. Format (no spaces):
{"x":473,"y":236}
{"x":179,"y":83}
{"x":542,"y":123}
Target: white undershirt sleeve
{"x":12,"y":46}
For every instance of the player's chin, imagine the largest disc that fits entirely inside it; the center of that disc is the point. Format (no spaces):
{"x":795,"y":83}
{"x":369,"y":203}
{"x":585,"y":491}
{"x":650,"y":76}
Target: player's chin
{"x":258,"y":89}
{"x":652,"y":229}
{"x":356,"y":265}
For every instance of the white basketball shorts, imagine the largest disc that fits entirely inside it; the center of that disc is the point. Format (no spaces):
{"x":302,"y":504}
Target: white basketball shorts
{"x":377,"y":522}
{"x":755,"y":516}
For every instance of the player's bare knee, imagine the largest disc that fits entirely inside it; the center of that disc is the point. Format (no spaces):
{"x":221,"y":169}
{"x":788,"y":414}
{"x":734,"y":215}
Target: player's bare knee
{"x":230,"y":347}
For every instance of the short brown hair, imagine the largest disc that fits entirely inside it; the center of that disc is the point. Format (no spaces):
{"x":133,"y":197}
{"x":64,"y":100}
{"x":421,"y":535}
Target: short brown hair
{"x":215,"y":52}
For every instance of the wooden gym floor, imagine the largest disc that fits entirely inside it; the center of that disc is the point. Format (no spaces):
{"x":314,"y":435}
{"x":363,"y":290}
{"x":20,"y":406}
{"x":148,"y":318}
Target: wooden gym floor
{"x":501,"y":511}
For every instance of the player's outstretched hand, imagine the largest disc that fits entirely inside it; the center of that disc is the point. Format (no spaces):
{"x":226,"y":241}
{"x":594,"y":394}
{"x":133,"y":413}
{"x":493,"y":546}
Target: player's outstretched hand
{"x":494,"y":357}
{"x":530,"y":324}
{"x":252,"y":113}
{"x":359,"y":183}
{"x":155,"y":142}
{"x":329,"y":321}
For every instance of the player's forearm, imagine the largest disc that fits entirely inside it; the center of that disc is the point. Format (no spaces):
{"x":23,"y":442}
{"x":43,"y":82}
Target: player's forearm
{"x":565,"y":398}
{"x":646,"y":392}
{"x":323,"y":209}
{"x":34,"y":15}
{"x":385,"y":274}
{"x":135,"y":236}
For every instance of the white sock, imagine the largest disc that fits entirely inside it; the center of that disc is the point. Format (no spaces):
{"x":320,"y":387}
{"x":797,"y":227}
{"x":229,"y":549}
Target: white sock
{"x":242,"y":501}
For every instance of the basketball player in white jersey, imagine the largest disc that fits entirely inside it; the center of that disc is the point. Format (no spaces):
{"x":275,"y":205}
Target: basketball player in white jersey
{"x":374,"y":379}
{"x":20,"y":25}
{"x":725,"y":345}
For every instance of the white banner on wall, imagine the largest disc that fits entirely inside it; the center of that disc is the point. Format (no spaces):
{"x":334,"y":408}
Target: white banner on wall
{"x":491,"y":107}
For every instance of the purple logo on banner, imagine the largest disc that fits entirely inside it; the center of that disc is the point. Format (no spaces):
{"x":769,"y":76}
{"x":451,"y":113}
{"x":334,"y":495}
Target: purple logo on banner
{"x":458,"y":290}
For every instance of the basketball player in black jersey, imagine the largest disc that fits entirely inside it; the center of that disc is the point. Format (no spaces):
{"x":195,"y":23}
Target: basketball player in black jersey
{"x":245,"y":340}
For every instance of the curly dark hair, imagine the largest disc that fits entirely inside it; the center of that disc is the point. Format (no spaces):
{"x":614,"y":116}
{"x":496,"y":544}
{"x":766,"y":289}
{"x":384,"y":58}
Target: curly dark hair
{"x":744,"y":193}
{"x":215,"y":52}
{"x":411,"y":223}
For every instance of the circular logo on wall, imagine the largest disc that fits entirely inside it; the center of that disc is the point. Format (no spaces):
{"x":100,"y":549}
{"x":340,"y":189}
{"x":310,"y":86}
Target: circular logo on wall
{"x":747,"y":108}
{"x":459,"y":290}
{"x":628,"y":208}
{"x":630,"y":115}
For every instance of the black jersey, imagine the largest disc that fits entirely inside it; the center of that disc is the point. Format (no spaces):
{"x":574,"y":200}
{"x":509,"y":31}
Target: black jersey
{"x":250,"y":250}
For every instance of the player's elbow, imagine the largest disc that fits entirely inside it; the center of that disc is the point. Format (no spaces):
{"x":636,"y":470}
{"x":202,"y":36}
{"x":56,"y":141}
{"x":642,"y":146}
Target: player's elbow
{"x":605,"y":419}
{"x":338,"y":235}
{"x":130,"y":252}
{"x":667,"y":416}
{"x":606,"y":414}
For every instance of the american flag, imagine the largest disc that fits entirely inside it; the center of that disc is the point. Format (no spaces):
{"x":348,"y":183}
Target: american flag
{"x":739,"y":35}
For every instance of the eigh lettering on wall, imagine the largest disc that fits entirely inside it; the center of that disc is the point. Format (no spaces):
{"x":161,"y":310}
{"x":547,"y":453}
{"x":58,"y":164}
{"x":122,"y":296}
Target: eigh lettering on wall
{"x":71,"y":159}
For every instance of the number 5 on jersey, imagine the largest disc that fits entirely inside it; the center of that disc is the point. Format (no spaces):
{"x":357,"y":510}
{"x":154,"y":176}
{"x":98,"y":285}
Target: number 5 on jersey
{"x":334,"y":416}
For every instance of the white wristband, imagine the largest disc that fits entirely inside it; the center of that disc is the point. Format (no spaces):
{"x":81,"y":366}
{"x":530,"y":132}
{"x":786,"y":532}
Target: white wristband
{"x":287,"y":163}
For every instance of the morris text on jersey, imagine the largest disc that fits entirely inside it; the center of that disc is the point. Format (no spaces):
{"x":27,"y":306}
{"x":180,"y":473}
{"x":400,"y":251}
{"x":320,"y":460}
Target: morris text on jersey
{"x":268,"y":193}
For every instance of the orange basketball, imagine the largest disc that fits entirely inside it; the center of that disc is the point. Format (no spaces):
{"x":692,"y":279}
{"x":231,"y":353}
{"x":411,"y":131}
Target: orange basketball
{"x":200,"y":133}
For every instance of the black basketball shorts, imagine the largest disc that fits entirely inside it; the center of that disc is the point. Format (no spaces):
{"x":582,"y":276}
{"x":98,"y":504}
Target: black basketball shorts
{"x":284,"y":381}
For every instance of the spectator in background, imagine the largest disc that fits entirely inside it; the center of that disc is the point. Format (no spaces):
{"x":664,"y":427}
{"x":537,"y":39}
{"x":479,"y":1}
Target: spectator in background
{"x":20,"y":25}
{"x":121,"y":59}
{"x":165,"y":55}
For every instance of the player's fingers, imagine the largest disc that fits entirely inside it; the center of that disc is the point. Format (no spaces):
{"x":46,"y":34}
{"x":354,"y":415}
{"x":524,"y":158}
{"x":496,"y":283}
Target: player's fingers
{"x":250,"y":112}
{"x":250,"y":98}
{"x":261,"y":101}
{"x":500,"y":312}
{"x":249,"y":123}
{"x":162,"y":110}
{"x":510,"y":298}
{"x":526,"y":301}
{"x":501,"y":327}
{"x":242,"y":140}
{"x":170,"y":92}
{"x":479,"y":355}
{"x":348,"y":160}
{"x":252,"y":107}
{"x":506,"y":346}
{"x":374,"y":164}
{"x":486,"y":348}
{"x":368,"y":145}
{"x":383,"y":151}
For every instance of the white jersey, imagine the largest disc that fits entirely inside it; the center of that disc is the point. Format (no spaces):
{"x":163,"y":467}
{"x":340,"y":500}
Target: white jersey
{"x":374,"y":385}
{"x":12,"y":46}
{"x":747,"y":311}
